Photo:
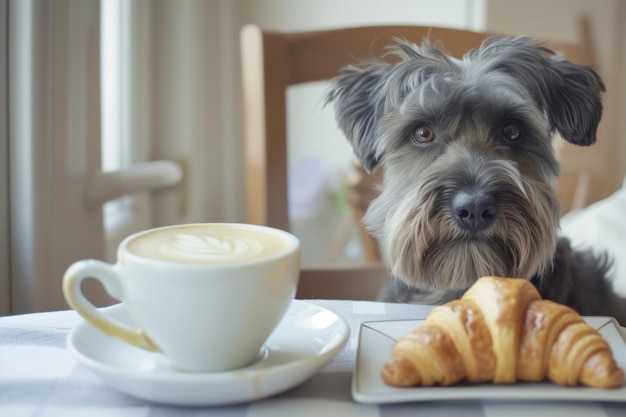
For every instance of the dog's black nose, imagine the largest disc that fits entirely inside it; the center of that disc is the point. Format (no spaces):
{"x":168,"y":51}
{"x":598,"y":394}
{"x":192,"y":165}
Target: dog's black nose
{"x":474,"y":209}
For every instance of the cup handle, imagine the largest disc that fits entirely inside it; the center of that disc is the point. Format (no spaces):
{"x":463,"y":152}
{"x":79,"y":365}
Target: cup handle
{"x":108,"y":275}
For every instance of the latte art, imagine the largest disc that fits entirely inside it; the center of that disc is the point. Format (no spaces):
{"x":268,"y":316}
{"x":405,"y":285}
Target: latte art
{"x":211,"y":248}
{"x":209,"y":243}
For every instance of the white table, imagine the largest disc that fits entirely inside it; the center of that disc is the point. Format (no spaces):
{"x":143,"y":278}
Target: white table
{"x":39,"y":377}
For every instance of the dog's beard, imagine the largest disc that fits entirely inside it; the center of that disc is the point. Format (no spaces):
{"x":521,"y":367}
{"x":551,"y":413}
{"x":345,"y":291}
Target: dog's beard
{"x":423,"y":246}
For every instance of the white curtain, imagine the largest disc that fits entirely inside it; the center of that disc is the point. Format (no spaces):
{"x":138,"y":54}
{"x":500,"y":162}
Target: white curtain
{"x":181,"y":107}
{"x":54,"y":129}
{"x":5,"y":288}
{"x":57,"y":188}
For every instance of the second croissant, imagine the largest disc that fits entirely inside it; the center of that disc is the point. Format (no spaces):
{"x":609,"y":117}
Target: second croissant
{"x":501,"y":331}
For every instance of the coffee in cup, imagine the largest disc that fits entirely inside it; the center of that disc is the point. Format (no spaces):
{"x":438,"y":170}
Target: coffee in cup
{"x":206,"y":295}
{"x":209,"y":243}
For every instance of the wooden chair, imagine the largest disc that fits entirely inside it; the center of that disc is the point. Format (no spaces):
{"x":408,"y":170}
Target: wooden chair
{"x":582,"y":167}
{"x":271,"y":62}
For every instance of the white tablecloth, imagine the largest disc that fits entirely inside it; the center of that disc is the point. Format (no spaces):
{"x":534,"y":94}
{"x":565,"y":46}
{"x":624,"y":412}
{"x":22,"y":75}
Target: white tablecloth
{"x":38,"y":377}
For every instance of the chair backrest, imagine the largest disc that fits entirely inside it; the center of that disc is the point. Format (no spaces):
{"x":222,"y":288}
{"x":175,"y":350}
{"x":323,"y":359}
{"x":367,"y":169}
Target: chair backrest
{"x":271,"y":62}
{"x":582,"y":168}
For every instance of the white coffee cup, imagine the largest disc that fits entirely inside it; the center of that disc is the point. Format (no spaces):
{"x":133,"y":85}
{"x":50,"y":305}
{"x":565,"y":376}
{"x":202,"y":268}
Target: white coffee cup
{"x":205,"y":295}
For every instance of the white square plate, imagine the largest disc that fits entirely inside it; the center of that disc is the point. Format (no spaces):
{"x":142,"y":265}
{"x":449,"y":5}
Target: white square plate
{"x":376,"y":340}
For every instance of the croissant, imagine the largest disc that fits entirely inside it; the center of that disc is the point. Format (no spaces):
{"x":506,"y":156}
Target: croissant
{"x":501,"y":331}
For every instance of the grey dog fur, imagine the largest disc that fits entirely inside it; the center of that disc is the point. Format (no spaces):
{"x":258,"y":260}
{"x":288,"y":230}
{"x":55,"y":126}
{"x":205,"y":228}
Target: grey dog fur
{"x":469,"y":103}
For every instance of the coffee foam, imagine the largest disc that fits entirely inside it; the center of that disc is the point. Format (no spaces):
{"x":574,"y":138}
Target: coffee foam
{"x":207,"y":244}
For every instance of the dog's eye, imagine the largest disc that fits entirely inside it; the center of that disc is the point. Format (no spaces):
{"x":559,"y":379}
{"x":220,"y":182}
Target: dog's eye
{"x":423,"y":134}
{"x":511,"y":131}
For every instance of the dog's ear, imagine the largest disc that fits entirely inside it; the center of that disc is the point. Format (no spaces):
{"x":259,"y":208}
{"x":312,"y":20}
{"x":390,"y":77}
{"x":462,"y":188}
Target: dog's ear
{"x":569,"y":94}
{"x":359,"y":106}
{"x":364,"y":95}
{"x":575,"y":103}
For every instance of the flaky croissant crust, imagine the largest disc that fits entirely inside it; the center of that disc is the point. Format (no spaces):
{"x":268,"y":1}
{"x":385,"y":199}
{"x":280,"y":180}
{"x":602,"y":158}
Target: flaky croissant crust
{"x":501,"y":331}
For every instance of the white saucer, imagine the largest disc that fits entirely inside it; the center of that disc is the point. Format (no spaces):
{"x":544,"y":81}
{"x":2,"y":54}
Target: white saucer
{"x":308,"y":337}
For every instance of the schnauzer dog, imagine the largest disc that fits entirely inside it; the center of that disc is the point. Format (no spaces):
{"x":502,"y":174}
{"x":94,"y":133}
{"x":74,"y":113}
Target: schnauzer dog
{"x":469,"y":168}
